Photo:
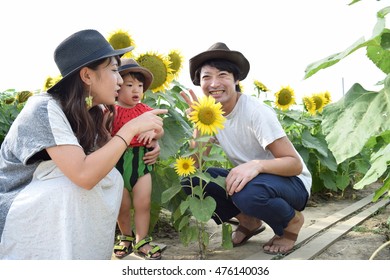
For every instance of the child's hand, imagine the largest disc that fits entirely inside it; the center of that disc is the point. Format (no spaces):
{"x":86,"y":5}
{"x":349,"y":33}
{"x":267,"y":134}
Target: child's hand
{"x":154,"y":152}
{"x":146,"y":137}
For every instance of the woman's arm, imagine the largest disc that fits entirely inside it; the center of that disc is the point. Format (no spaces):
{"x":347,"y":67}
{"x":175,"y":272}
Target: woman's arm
{"x":87,"y":170}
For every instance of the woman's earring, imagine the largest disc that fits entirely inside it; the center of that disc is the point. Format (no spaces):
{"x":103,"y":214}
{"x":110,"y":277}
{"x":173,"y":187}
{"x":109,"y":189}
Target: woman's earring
{"x":89,"y":98}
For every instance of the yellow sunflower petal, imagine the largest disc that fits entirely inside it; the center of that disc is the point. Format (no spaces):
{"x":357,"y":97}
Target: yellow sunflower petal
{"x":327,"y":97}
{"x":176,"y":64}
{"x":260,"y":86}
{"x":51,"y":81}
{"x":309,"y":104}
{"x":319,"y":100}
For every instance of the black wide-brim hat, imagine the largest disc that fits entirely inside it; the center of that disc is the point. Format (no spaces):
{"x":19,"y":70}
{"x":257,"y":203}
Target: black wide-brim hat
{"x":130,"y":65}
{"x":81,"y":49}
{"x":219,"y":51}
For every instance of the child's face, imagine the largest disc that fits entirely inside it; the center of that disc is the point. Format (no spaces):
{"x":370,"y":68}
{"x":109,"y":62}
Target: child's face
{"x":131,"y":91}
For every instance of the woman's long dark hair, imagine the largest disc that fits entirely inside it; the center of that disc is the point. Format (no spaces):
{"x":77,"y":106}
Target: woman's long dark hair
{"x":92,"y":127}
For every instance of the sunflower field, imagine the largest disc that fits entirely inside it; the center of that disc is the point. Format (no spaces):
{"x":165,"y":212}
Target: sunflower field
{"x":345,"y":144}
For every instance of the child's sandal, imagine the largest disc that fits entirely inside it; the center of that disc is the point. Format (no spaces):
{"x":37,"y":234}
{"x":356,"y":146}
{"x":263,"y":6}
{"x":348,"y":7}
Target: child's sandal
{"x":149,"y":255}
{"x":123,"y":248}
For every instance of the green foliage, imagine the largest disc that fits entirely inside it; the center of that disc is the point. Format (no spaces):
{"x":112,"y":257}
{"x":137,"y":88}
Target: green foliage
{"x":379,"y":54}
{"x":190,"y":213}
{"x":305,"y":132}
{"x":11,"y":103}
{"x":374,"y":41}
{"x":346,"y":145}
{"x":350,"y":122}
{"x":359,"y":122}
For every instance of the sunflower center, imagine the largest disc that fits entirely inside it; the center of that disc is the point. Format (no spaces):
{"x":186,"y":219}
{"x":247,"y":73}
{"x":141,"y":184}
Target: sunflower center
{"x":157,"y":67}
{"x":175,"y":62}
{"x":206,"y":116}
{"x":120,"y":40}
{"x":186,"y":166}
{"x":284,"y":97}
{"x":318,"y":102}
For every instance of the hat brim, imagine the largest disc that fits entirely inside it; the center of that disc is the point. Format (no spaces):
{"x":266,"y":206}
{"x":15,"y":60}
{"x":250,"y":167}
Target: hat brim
{"x":124,"y":69}
{"x":110,"y":53}
{"x":232,"y":56}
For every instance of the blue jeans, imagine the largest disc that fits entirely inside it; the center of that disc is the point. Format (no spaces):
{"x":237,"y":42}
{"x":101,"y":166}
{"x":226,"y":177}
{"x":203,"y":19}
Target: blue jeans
{"x":270,"y":198}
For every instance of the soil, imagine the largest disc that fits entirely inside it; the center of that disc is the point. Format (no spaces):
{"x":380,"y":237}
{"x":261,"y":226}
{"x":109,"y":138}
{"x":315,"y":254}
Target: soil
{"x":358,"y":244}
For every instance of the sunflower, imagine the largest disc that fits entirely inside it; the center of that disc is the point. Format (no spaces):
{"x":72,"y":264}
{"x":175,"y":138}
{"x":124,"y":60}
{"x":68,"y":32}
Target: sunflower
{"x":120,"y":39}
{"x":259,"y":86}
{"x":185,"y":166}
{"x":319,"y":100}
{"x":207,"y":115}
{"x":241,"y":86}
{"x":50,"y":81}
{"x":285,"y":97}
{"x":22,"y":96}
{"x":309,"y":105}
{"x":159,"y":66}
{"x":327,"y":97}
{"x":176,"y":60}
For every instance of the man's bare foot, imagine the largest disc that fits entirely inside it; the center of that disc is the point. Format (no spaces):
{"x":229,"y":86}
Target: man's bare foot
{"x":248,"y":226}
{"x":285,"y":243}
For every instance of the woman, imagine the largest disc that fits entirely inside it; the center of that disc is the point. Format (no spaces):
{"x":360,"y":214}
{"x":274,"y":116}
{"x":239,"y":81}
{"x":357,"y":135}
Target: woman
{"x":59,"y":191}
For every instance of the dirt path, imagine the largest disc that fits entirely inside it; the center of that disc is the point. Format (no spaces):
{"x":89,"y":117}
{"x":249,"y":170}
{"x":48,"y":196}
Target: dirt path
{"x":358,"y":244}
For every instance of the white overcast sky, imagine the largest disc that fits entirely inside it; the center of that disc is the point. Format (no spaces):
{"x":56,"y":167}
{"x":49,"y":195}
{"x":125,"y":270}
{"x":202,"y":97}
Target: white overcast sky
{"x":279,"y":37}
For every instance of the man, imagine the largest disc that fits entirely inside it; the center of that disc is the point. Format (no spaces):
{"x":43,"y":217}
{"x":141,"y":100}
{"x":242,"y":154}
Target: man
{"x":269,"y":181}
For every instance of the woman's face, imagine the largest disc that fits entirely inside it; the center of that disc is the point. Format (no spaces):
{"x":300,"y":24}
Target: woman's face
{"x":106,"y":82}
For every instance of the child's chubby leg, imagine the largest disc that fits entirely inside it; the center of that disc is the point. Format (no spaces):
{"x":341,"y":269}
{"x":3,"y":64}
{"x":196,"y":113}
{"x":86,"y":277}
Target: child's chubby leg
{"x":124,"y":217}
{"x":125,"y":224}
{"x":141,"y":199}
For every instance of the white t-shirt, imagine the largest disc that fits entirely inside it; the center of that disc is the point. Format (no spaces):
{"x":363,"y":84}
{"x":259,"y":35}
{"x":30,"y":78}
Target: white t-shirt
{"x":249,"y":129}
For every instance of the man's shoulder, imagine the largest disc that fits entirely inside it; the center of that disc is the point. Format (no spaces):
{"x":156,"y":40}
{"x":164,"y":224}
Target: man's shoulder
{"x":254,"y":105}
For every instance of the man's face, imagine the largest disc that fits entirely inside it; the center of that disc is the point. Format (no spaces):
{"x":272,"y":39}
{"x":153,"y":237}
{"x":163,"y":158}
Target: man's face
{"x":218,"y":84}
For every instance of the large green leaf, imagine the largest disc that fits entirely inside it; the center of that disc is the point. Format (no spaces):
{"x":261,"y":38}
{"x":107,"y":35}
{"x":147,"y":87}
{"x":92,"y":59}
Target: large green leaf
{"x":379,"y":162}
{"x":183,"y":222}
{"x":329,"y":180}
{"x":329,"y":161}
{"x":379,"y":28}
{"x":188,"y":234}
{"x":227,"y":236}
{"x":380,"y":56}
{"x":351,"y":121}
{"x":175,"y":132}
{"x":314,"y":67}
{"x":385,"y":41}
{"x":203,"y":209}
{"x":316,"y":143}
{"x":384,"y":190}
{"x":170,"y":192}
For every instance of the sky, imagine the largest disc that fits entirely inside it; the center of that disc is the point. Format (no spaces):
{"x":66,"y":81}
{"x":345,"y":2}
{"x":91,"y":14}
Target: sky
{"x":280,"y":38}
